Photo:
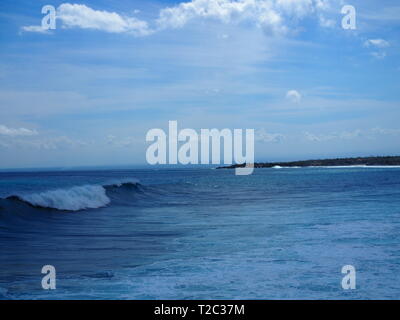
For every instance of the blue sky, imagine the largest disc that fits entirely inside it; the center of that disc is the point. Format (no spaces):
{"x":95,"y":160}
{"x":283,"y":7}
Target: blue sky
{"x":88,"y":92}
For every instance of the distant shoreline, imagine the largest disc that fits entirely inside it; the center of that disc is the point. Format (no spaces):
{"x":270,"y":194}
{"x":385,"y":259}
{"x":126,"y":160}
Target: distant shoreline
{"x":338,"y":162}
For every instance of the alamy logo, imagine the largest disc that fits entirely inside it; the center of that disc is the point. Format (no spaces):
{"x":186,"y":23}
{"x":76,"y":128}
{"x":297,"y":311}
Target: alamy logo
{"x":349,"y":280}
{"x":49,"y":280}
{"x":195,"y":148}
{"x":49,"y":21}
{"x":349,"y":20}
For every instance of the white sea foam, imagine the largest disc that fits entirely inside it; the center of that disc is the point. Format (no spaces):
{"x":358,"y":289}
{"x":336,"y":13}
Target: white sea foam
{"x":355,"y":166}
{"x":73,"y":199}
{"x":338,"y":167}
{"x":280,"y":167}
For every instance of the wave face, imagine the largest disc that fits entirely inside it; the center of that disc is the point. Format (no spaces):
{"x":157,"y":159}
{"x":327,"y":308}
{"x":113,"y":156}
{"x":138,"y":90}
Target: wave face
{"x":75,"y":198}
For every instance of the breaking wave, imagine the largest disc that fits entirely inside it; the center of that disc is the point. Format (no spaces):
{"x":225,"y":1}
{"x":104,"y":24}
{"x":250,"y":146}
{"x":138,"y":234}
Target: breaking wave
{"x":75,"y":198}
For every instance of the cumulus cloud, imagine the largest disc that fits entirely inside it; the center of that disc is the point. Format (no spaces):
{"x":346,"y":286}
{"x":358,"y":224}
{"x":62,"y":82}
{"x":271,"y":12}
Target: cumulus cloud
{"x":293,"y":96}
{"x":378,"y":43}
{"x":274,"y":16}
{"x":262,"y":13}
{"x":271,"y":15}
{"x":81,"y":16}
{"x":13,"y":132}
{"x":84,"y":17}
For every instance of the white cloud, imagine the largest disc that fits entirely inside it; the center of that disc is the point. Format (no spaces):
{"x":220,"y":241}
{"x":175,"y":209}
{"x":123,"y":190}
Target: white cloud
{"x":386,"y":131}
{"x":6,"y":131}
{"x":260,"y":12}
{"x":378,"y":55}
{"x":123,"y":142}
{"x":345,"y":135}
{"x":271,"y":15}
{"x":262,"y":135}
{"x":326,"y":23}
{"x":84,"y":17}
{"x":378,"y":43}
{"x":315,"y":137}
{"x":54,"y":143}
{"x":293,"y":96}
{"x":22,"y":137}
{"x":274,"y":16}
{"x":349,"y":135}
{"x":41,"y":142}
{"x":38,"y":29}
{"x":81,"y":16}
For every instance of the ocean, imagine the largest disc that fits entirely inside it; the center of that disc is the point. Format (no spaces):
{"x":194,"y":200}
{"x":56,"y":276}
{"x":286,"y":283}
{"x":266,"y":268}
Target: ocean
{"x":280,"y":233}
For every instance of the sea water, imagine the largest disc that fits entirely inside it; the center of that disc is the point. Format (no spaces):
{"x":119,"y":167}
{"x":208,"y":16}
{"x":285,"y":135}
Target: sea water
{"x":280,"y":233}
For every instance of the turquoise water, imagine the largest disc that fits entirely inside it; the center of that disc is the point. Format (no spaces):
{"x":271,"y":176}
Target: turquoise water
{"x":201,"y":234}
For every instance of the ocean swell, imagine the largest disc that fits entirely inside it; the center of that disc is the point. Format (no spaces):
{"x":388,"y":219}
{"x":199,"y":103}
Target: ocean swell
{"x":75,"y":198}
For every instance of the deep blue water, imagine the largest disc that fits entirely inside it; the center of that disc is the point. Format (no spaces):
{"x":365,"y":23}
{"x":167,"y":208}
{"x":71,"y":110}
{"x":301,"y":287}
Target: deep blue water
{"x":201,"y":233}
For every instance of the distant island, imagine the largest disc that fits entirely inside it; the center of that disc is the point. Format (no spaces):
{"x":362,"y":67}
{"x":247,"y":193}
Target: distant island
{"x":359,"y":161}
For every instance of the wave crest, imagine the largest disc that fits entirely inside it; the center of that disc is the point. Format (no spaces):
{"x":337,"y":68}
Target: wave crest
{"x":75,"y":198}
